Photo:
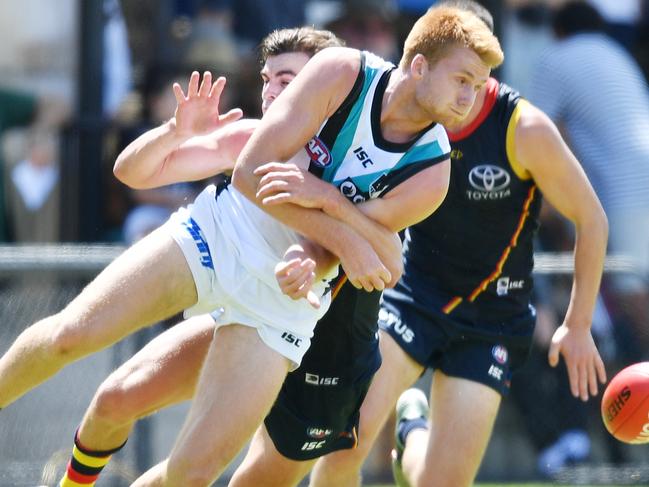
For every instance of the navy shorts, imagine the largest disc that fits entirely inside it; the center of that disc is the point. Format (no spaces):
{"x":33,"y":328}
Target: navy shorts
{"x":435,"y":340}
{"x":317,"y":409}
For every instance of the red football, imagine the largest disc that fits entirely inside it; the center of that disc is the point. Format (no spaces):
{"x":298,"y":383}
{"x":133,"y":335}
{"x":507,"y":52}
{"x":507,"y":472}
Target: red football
{"x":625,"y":404}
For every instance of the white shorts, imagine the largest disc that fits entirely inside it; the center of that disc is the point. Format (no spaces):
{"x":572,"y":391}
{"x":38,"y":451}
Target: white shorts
{"x":232,"y":248}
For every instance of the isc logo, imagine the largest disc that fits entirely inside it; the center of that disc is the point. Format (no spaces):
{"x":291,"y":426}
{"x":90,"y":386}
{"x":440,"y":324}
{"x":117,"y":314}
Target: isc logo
{"x":496,"y":372}
{"x":312,"y":445}
{"x":363,"y":157}
{"x":291,"y":339}
{"x":316,"y":380}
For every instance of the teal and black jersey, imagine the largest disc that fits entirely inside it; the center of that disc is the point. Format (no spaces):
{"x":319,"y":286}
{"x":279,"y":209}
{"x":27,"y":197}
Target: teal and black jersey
{"x":472,"y":259}
{"x":350,"y":152}
{"x":317,"y":409}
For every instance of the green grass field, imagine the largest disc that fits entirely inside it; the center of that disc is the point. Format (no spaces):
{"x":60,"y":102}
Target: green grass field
{"x":508,"y":485}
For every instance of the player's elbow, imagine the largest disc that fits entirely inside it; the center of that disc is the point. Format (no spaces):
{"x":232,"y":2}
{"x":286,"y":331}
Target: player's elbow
{"x":125,"y":174}
{"x":244,"y":180}
{"x":594,"y":223}
{"x":119,"y":169}
{"x":602,"y":223}
{"x":599,"y":220}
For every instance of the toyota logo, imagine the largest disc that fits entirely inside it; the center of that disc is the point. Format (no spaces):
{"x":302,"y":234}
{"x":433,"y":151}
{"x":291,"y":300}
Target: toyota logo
{"x":488,"y":177}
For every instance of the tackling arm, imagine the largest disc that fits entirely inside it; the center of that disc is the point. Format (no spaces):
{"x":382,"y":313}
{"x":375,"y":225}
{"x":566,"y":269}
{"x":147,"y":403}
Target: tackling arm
{"x":287,"y":126}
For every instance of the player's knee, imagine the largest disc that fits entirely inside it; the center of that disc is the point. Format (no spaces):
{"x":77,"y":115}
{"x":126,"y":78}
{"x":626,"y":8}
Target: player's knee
{"x":190,"y":472}
{"x":113,"y":404}
{"x":66,"y":341}
{"x":343,"y":463}
{"x":352,"y":460}
{"x":429,"y":477}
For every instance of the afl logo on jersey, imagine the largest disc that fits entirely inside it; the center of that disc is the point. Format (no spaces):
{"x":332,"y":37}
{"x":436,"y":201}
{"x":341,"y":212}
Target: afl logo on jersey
{"x":318,"y":433}
{"x":318,"y":152}
{"x":499,"y":353}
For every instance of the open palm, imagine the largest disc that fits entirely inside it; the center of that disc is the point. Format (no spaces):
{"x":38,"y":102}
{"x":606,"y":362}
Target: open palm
{"x":197,"y":113}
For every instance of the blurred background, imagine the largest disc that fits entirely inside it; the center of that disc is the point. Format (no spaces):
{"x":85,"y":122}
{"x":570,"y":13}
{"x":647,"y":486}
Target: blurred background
{"x":80,"y":79}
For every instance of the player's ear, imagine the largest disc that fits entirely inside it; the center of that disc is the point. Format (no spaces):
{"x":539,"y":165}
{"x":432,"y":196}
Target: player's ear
{"x":418,"y":66}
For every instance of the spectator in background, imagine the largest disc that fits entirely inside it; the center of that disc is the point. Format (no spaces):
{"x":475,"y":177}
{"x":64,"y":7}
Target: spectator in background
{"x":16,"y":109}
{"x":602,"y":107}
{"x":249,"y":20}
{"x":526,"y":33}
{"x":254,"y":19}
{"x":212,"y":42}
{"x":32,"y":190}
{"x":368,"y":24}
{"x":117,"y":58}
{"x":19,"y":109}
{"x":621,"y":19}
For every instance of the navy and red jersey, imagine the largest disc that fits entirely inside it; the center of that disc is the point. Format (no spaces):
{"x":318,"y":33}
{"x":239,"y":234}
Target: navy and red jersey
{"x":472,"y":259}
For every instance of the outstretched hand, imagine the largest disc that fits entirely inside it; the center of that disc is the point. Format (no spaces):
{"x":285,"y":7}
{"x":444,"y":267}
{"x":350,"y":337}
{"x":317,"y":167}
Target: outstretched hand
{"x":583,"y":362}
{"x":197,"y":112}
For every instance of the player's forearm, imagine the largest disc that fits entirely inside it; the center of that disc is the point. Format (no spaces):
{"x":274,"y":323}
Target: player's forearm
{"x":359,"y":217}
{"x":143,"y":160}
{"x":324,"y":259}
{"x":589,"y":255}
{"x":335,"y":236}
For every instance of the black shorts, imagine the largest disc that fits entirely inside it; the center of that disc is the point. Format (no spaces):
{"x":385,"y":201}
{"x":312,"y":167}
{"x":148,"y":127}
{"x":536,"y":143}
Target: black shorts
{"x":437,"y":341}
{"x":317,"y":409}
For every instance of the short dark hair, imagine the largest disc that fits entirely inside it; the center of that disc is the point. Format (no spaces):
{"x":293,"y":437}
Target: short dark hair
{"x":576,"y":16}
{"x":299,"y":39}
{"x":472,"y":6}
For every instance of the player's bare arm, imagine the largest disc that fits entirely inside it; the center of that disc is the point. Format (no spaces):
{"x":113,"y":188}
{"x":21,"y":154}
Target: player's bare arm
{"x":543,"y":153}
{"x":287,"y":183}
{"x":286,"y":127}
{"x":196,"y":143}
{"x":375,"y":219}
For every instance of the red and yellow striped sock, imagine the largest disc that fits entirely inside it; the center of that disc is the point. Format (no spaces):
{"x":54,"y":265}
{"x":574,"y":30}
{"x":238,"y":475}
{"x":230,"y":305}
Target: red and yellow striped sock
{"x":85,"y":465}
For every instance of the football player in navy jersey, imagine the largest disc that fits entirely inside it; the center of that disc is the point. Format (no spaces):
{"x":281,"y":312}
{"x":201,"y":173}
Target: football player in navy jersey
{"x":462,"y":306}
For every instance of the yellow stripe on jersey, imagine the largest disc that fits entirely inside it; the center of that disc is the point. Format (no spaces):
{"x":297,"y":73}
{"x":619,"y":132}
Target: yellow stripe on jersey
{"x":518,"y":168}
{"x":513,"y":241}
{"x":452,"y":304}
